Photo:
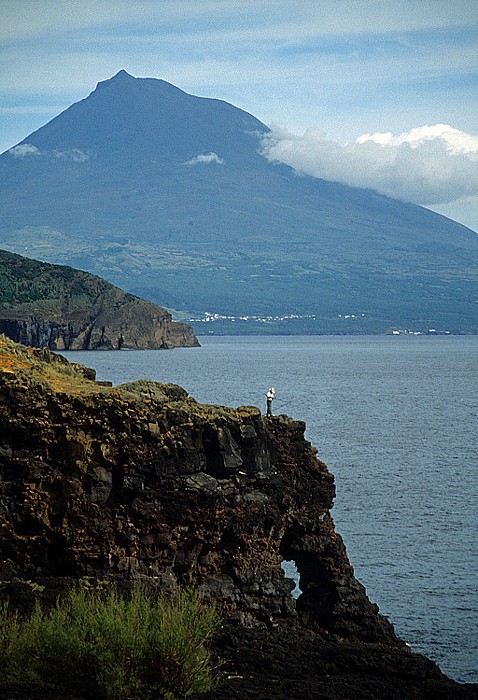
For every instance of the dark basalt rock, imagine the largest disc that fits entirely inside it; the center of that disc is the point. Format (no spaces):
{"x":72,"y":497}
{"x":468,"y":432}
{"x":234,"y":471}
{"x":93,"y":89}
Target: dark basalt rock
{"x":141,"y":481}
{"x":286,"y":663}
{"x":102,"y":331}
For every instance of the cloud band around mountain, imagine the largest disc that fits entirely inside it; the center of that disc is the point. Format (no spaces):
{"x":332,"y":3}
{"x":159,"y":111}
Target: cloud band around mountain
{"x":429,"y":165}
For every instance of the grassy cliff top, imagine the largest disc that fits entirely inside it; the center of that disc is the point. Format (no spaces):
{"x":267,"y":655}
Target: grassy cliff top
{"x":41,"y":366}
{"x":33,"y":366}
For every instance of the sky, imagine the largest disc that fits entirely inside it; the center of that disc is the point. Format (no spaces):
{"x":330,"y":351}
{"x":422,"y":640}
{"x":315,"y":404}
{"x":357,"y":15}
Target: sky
{"x":372,"y":93}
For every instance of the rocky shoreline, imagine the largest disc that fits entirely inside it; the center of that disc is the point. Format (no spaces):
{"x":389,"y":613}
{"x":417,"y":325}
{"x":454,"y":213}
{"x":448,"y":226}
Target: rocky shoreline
{"x":142,"y":482}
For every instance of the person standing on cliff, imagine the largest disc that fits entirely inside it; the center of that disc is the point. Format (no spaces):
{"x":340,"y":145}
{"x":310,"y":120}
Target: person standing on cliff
{"x":270,"y":396}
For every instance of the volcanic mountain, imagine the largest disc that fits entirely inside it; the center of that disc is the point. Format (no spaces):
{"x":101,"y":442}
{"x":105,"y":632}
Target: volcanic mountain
{"x":168,"y":196}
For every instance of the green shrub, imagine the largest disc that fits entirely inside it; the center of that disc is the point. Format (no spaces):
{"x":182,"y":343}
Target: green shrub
{"x":104,"y":646}
{"x":176,"y":646}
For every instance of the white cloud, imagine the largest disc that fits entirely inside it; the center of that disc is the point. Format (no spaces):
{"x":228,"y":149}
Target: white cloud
{"x":429,"y":165}
{"x":456,"y":141}
{"x":206,"y":158}
{"x":73,"y":154}
{"x":23,"y":150}
{"x":27,"y":149}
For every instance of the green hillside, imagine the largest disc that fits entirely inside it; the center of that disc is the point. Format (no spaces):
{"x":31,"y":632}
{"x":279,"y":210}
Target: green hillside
{"x":57,"y":307}
{"x":28,"y":286}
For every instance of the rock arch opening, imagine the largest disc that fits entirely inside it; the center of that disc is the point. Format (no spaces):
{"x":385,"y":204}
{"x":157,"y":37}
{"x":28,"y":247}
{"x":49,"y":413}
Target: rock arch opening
{"x":290,"y":570}
{"x":289,"y":548}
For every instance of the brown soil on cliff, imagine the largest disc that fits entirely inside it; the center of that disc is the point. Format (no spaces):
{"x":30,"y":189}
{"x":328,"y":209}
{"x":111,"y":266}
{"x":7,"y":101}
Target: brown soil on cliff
{"x":32,"y":365}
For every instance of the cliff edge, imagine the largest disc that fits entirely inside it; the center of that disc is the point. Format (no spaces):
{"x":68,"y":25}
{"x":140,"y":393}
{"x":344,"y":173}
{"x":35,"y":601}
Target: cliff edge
{"x":60,"y":308}
{"x":141,"y":481}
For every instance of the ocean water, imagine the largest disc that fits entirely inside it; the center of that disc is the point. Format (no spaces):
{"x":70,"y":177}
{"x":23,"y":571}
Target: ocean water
{"x":396,"y":420}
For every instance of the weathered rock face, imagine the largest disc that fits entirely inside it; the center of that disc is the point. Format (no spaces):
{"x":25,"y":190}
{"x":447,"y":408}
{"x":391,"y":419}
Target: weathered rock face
{"x":55,"y":307}
{"x":111,"y":329}
{"x":142,"y":481}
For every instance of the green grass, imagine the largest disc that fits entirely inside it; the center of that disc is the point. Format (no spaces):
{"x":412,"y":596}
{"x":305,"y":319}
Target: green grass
{"x":104,"y":646}
{"x":29,"y":286}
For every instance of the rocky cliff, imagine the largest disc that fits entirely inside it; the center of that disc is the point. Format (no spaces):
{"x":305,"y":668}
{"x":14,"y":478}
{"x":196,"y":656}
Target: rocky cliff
{"x":142,"y":481}
{"x":60,"y":308}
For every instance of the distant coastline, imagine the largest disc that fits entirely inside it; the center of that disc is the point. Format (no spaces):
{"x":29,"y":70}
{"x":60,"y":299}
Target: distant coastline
{"x":290,"y":323}
{"x":298,"y":326}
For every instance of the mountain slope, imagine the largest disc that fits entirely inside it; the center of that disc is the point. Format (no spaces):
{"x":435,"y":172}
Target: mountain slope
{"x":61,"y":308}
{"x":167,"y":195}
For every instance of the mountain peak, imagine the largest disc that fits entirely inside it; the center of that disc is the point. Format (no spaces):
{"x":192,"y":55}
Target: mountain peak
{"x":128,"y":119}
{"x":121,"y":76}
{"x":123,"y":79}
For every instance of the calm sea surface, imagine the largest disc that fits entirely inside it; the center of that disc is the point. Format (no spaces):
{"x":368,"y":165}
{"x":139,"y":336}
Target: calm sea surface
{"x":396,"y":420}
